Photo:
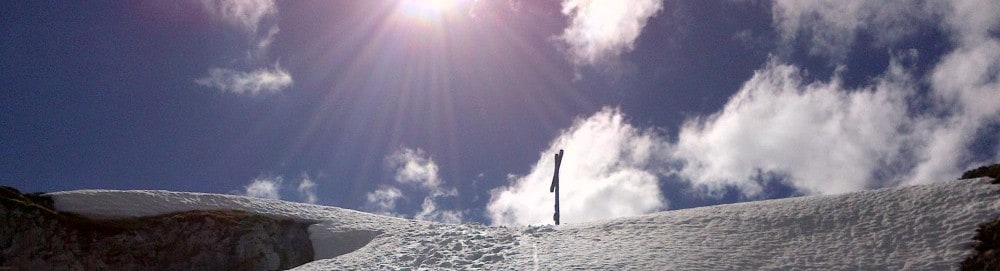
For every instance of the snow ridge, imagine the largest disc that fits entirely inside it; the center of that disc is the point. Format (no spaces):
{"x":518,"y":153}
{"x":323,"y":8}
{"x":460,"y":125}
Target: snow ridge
{"x":927,"y":227}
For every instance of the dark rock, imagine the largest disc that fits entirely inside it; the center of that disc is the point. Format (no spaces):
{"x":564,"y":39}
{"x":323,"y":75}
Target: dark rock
{"x":992,"y":171}
{"x":987,"y":243}
{"x":33,"y":236}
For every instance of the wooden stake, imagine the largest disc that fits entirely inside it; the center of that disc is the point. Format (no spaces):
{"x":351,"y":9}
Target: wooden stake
{"x":555,"y":185}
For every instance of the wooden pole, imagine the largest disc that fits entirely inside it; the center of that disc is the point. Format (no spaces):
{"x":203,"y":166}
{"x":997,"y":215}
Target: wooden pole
{"x":555,"y":185}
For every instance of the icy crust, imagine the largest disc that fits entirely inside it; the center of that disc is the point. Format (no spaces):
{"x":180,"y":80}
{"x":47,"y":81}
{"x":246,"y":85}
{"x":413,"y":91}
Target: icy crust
{"x":919,"y":227}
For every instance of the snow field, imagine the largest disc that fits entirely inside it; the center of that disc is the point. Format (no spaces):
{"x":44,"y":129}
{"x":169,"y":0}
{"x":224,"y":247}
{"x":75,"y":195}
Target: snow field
{"x":926,"y":227}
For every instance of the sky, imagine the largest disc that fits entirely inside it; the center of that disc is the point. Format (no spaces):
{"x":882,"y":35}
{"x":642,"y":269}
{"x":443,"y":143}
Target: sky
{"x":452,"y":110}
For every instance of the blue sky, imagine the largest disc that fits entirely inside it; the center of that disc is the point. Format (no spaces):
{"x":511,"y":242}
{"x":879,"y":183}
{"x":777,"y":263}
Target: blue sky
{"x":452,"y":110}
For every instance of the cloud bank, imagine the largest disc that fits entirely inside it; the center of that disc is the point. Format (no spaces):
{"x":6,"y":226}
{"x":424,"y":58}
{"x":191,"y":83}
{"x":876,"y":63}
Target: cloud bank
{"x":604,"y":29}
{"x":414,"y":168}
{"x":250,"y":16}
{"x":610,"y":168}
{"x":966,"y":81}
{"x":817,"y":137}
{"x":960,"y":83}
{"x":822,"y":138}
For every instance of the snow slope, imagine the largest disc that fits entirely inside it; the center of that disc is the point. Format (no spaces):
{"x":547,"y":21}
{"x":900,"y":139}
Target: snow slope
{"x":926,"y":227}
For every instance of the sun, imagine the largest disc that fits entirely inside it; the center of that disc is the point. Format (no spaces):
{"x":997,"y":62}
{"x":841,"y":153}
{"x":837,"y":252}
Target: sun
{"x":437,"y":5}
{"x":428,"y":9}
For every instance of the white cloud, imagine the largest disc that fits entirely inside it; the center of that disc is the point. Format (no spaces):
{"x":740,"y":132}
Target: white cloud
{"x":246,"y":14}
{"x":610,"y":169}
{"x":967,"y":82}
{"x":270,"y":187}
{"x":818,"y":137}
{"x":263,"y":44}
{"x":830,"y":27}
{"x":307,"y":189}
{"x":429,"y":212}
{"x":825,"y":139}
{"x":250,"y":16}
{"x":969,"y":76}
{"x":603,"y":29}
{"x":260,"y":81}
{"x":264,"y":187}
{"x":413,"y":167}
{"x":383,"y":200}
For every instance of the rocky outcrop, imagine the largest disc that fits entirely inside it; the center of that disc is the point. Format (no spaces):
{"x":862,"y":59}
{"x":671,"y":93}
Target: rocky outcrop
{"x":992,"y":171}
{"x":33,"y":236}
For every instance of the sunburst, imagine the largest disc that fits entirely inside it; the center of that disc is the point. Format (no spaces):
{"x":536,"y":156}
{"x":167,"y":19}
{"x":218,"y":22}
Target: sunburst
{"x":428,"y":9}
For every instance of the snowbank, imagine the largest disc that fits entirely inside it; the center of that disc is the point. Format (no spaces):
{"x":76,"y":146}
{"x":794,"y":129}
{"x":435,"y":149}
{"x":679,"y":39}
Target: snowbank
{"x":919,"y":227}
{"x":335,"y":228}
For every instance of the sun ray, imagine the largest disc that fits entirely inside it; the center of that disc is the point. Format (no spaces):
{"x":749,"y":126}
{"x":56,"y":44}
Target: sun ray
{"x":427,"y":9}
